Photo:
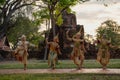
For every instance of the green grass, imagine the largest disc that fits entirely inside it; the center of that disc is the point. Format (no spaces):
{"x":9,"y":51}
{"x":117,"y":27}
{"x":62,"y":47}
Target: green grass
{"x":63,"y":64}
{"x":59,"y":77}
{"x":38,"y":64}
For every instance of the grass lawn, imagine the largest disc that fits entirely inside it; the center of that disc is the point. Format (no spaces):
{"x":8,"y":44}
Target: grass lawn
{"x":59,"y":77}
{"x":38,"y":64}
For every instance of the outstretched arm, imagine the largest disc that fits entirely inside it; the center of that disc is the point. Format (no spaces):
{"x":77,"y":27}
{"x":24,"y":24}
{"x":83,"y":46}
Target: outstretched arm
{"x":47,"y":41}
{"x":111,"y":46}
{"x":70,"y":39}
{"x":58,"y":50}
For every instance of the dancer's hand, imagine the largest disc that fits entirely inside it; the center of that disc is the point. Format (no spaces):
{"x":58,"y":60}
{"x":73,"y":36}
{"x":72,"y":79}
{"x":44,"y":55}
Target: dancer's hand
{"x":67,"y":32}
{"x":59,"y":53}
{"x":46,"y":39}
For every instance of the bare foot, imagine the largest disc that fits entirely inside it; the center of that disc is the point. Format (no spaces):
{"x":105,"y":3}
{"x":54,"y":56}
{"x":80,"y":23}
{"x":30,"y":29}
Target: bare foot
{"x":53,"y":68}
{"x":25,"y":68}
{"x":104,"y":68}
{"x":79,"y":68}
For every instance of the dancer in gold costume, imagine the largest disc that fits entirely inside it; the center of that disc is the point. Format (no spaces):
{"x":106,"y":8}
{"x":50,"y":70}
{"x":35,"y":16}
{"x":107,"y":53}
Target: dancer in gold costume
{"x":20,"y":52}
{"x":78,"y":50}
{"x":54,"y":51}
{"x":103,"y":54}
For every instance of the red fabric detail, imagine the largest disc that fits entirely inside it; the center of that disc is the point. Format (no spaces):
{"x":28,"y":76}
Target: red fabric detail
{"x":20,"y":58}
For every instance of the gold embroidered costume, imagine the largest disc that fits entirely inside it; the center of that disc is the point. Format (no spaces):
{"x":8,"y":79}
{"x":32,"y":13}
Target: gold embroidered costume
{"x":78,"y":49}
{"x":20,"y":52}
{"x":54,"y":51}
{"x":103,"y":54}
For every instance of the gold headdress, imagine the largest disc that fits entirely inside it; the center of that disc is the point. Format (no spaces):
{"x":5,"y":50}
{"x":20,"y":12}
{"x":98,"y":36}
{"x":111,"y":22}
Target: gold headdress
{"x":104,"y":35}
{"x":79,"y":32}
{"x":56,"y":38}
{"x":23,"y":37}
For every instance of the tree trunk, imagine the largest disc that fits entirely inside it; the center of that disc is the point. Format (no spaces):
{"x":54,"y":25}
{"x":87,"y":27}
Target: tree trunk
{"x":3,"y":30}
{"x":52,"y":20}
{"x":46,"y":47}
{"x":53,"y":24}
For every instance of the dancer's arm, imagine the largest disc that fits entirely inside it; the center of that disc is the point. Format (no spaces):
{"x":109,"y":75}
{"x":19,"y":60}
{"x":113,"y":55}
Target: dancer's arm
{"x":58,"y":49}
{"x":48,"y":42}
{"x":70,"y":39}
{"x":111,"y":46}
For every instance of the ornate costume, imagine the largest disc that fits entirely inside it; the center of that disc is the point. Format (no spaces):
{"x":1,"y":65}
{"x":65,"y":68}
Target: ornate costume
{"x":54,"y":50}
{"x":21,"y":53}
{"x":103,"y":54}
{"x":78,"y":49}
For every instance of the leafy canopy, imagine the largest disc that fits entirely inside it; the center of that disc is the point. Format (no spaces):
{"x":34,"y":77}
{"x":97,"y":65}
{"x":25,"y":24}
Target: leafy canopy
{"x":24,"y":26}
{"x":111,"y":29}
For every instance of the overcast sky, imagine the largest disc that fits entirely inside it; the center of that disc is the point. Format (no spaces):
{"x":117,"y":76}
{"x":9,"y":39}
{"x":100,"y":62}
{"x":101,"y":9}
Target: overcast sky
{"x":92,"y":13}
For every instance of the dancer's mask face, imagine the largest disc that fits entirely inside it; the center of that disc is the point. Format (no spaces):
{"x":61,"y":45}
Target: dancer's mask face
{"x":23,"y":38}
{"x":78,"y":36}
{"x":55,"y":39}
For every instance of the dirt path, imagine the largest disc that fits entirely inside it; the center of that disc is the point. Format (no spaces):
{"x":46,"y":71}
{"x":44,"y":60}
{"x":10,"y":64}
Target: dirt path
{"x":60,"y":71}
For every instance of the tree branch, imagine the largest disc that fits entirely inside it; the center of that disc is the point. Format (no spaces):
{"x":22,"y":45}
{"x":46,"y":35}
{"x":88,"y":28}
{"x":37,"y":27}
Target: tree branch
{"x":40,"y":6}
{"x":4,"y":8}
{"x":22,"y":6}
{"x":6,"y":3}
{"x":62,"y":11}
{"x":55,"y":2}
{"x":14,"y":4}
{"x":1,"y":8}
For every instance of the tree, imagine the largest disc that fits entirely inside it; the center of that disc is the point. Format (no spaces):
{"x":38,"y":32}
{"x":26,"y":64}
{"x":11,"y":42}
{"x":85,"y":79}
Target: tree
{"x":56,"y":7}
{"x":1,"y":1}
{"x":53,"y":12}
{"x":41,"y":16}
{"x":24,"y":25}
{"x":7,"y":12}
{"x":111,"y":29}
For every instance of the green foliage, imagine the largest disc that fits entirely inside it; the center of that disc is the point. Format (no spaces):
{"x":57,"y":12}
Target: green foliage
{"x":59,"y":77}
{"x":57,"y":7}
{"x":63,"y":64}
{"x":59,"y":20}
{"x":2,"y":1}
{"x":110,"y":28}
{"x":41,"y":15}
{"x":24,"y":26}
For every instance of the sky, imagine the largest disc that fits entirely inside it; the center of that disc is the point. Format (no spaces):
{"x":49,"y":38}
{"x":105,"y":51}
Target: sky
{"x":92,"y":13}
